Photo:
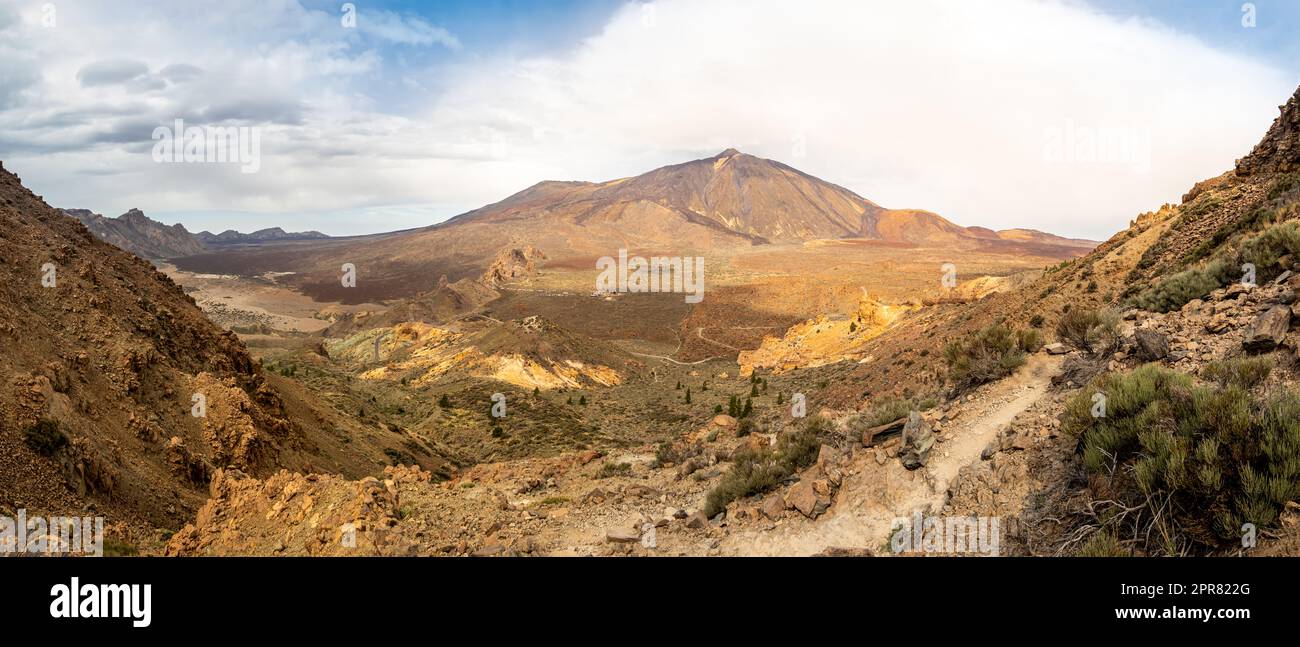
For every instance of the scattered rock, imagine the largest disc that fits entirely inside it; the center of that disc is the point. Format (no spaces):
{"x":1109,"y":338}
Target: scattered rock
{"x":773,"y":507}
{"x":803,"y":496}
{"x":1268,"y":330}
{"x":1151,"y":345}
{"x":622,"y":536}
{"x":917,"y":441}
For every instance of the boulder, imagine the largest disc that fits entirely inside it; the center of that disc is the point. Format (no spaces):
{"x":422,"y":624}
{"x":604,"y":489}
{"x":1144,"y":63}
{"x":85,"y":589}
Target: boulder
{"x":696,"y":520}
{"x":1151,"y":345}
{"x":642,"y":491}
{"x":1268,"y":330}
{"x":597,"y":495}
{"x":917,"y":441}
{"x":1056,"y":348}
{"x":773,"y":507}
{"x":803,"y":496}
{"x":723,"y":420}
{"x":622,"y":536}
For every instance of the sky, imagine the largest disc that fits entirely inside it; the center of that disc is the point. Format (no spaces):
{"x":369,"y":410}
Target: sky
{"x":1070,"y":116}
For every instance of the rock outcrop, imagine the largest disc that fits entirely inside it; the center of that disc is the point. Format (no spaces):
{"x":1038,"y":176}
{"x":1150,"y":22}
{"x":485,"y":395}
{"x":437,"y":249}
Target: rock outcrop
{"x":1279,"y":151}
{"x":138,"y":234}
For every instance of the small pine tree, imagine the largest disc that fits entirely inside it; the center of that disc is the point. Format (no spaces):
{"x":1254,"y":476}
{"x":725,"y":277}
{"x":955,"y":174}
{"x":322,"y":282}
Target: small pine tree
{"x":780,"y":397}
{"x":679,"y":386}
{"x":853,"y":326}
{"x":706,"y":386}
{"x":582,"y":400}
{"x":537,"y":391}
{"x":753,"y":390}
{"x":717,"y":408}
{"x":688,"y":396}
{"x":570,"y":400}
{"x":733,"y":407}
{"x":749,"y":408}
{"x":444,"y":401}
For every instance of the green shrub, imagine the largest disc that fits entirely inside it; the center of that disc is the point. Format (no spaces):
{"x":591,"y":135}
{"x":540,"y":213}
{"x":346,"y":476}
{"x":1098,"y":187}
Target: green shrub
{"x":1266,"y":250}
{"x":614,"y":469}
{"x":1197,"y":461}
{"x":745,"y":428}
{"x":1088,"y":330}
{"x":46,"y":437}
{"x":1174,"y":291}
{"x":1283,"y":185}
{"x":1255,"y":220}
{"x":991,"y":354}
{"x":1245,"y":372}
{"x":888,"y":410}
{"x":1102,"y":543}
{"x":754,"y":471}
{"x":1029,"y":340}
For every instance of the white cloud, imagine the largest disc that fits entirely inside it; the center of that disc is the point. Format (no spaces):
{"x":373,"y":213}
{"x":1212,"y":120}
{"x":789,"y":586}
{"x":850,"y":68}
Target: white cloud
{"x":990,"y":113}
{"x":408,"y":30}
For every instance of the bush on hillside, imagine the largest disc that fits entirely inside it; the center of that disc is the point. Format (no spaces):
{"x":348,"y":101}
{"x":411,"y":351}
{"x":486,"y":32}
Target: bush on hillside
{"x":1091,"y":331}
{"x":1174,"y":291}
{"x":1267,"y":249}
{"x":991,"y":354}
{"x":1264,"y":250}
{"x":1178,"y":467}
{"x":888,"y":410}
{"x":754,"y":471}
{"x":1029,"y":340}
{"x":1245,"y":372}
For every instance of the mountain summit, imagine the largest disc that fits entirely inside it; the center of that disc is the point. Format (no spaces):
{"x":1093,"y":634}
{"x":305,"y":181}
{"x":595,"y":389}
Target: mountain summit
{"x":726,"y":201}
{"x":748,"y":197}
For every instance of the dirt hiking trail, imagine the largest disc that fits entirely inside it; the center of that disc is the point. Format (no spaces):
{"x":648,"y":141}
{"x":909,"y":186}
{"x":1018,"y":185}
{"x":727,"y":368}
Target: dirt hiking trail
{"x":874,"y":495}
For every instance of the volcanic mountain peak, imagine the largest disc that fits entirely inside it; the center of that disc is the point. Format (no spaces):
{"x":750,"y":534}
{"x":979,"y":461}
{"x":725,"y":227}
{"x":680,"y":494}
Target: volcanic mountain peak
{"x":753,"y":199}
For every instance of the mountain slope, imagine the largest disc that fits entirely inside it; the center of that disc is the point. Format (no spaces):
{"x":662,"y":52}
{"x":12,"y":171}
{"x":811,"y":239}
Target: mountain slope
{"x":271,"y":234}
{"x":104,"y":362}
{"x":755,"y":198}
{"x":727,"y":201}
{"x":140,"y":235}
{"x":1152,"y":256}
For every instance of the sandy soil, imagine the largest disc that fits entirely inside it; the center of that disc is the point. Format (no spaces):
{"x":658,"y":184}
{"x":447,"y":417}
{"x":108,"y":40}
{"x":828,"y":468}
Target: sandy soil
{"x":240,"y":303}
